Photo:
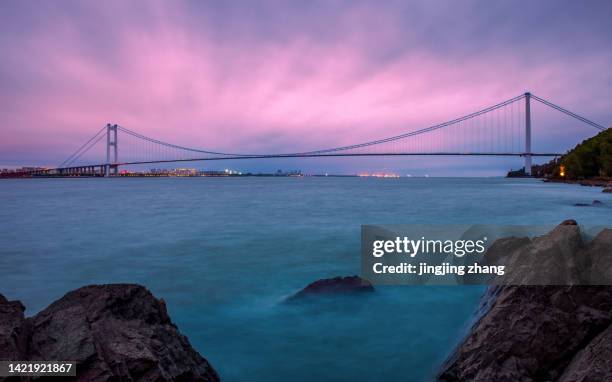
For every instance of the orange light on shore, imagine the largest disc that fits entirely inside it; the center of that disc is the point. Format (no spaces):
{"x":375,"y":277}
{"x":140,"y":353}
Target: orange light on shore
{"x":562,"y":171}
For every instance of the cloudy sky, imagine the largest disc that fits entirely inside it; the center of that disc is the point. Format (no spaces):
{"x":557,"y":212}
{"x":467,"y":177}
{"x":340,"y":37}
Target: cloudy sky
{"x":270,"y":76}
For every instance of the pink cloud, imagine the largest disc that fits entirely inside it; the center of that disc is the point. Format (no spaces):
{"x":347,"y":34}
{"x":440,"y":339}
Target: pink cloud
{"x":238,"y":95}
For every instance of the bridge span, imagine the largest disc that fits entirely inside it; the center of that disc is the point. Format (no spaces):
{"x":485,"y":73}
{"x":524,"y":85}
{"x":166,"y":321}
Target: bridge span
{"x":503,"y":129}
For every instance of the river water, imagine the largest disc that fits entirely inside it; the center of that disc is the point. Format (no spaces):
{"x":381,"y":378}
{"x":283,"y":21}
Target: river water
{"x":225,"y":252}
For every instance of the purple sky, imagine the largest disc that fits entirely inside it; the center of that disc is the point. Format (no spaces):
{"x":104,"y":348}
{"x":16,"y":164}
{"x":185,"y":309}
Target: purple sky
{"x":251,"y":76}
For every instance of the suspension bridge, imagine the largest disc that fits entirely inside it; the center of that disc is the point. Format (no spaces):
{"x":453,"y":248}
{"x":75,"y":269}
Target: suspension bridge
{"x":504,"y":129}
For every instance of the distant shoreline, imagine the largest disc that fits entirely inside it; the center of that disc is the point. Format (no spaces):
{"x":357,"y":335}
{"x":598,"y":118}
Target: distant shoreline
{"x":186,"y":176}
{"x":599,"y":182}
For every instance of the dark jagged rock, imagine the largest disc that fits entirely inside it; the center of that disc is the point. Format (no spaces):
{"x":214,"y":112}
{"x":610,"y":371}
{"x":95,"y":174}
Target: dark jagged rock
{"x":593,"y":363}
{"x":598,"y":203}
{"x":117,"y":332}
{"x":530,"y":333}
{"x":14,"y":330}
{"x":550,"y":259}
{"x":543,"y":333}
{"x":599,"y":253}
{"x":608,"y":189}
{"x":504,"y":247}
{"x":336,"y":285}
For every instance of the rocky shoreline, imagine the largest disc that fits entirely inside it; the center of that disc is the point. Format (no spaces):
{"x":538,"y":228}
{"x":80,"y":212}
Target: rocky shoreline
{"x":543,"y":332}
{"x":606,"y":183}
{"x":116,"y":332}
{"x":538,"y":333}
{"x":597,"y":182}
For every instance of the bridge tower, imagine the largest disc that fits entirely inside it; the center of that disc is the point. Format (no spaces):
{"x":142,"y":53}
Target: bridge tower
{"x":528,"y":134}
{"x":111,"y":167}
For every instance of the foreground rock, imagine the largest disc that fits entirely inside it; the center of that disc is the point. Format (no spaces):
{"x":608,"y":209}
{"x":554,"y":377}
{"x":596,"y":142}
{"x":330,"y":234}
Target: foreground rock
{"x":14,"y":330}
{"x":115,"y":332}
{"x":551,"y":259}
{"x":594,"y":363}
{"x":531,"y":333}
{"x":336,"y":285}
{"x":544,"y":333}
{"x":599,"y":253}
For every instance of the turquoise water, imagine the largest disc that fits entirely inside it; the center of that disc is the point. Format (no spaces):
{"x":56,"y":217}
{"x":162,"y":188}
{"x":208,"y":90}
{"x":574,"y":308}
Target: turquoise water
{"x":224,"y":252}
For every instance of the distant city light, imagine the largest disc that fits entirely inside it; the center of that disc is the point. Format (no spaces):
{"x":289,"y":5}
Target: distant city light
{"x":378,"y":175}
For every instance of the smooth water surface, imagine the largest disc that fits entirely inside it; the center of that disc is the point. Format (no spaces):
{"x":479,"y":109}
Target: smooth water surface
{"x":225,"y":252}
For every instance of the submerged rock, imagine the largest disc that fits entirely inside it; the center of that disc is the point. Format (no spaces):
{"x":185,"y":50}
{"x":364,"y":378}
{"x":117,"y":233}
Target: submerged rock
{"x":543,"y":333}
{"x":117,"y":332}
{"x":336,"y":285}
{"x":594,"y":203}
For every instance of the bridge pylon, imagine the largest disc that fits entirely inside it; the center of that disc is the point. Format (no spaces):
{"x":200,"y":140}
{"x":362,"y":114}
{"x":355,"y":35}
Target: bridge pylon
{"x":528,"y":134}
{"x":111,"y":167}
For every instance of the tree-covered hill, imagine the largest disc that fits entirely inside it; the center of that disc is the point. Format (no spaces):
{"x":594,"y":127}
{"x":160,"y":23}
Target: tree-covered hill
{"x":592,"y":158}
